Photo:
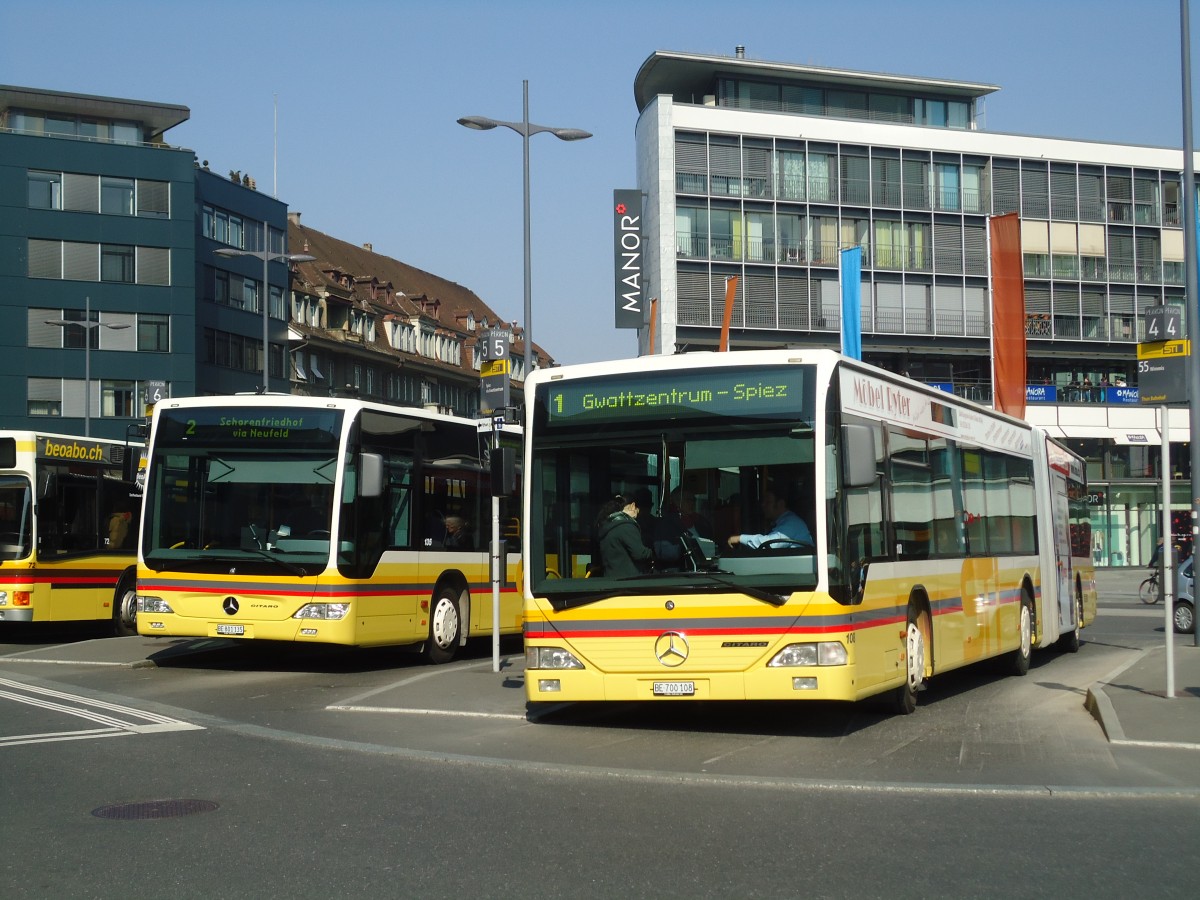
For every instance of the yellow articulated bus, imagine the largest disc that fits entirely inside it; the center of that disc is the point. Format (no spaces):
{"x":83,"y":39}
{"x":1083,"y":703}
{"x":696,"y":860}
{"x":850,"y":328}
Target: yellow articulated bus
{"x":69,"y":510}
{"x":332,"y":521}
{"x":787,"y":525}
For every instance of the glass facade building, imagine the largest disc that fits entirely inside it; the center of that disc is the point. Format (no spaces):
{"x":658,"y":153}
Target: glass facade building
{"x":765,"y":171}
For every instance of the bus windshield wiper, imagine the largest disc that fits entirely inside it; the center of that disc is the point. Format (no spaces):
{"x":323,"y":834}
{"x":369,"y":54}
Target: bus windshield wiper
{"x":161,"y":563}
{"x":561,"y":604}
{"x":747,"y":589}
{"x":282,"y":563}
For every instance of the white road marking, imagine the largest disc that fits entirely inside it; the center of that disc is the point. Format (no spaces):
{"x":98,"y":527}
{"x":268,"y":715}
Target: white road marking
{"x":117,"y":721}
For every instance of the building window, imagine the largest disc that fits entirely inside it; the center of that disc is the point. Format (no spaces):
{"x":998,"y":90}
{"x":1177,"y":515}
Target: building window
{"x":153,"y":199}
{"x":234,"y":351}
{"x":116,"y":195}
{"x":117,"y":398}
{"x":45,"y":190}
{"x":153,"y":265}
{"x":220,"y":287}
{"x":117,"y":263}
{"x":44,"y":397}
{"x":153,"y":332}
{"x":76,"y":337}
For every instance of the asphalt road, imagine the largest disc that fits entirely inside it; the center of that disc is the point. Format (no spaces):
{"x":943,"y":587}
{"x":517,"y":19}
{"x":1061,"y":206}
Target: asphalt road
{"x":277,"y":771}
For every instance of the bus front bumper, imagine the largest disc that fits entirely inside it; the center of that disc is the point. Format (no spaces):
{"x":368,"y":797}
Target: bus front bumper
{"x":579,"y":685}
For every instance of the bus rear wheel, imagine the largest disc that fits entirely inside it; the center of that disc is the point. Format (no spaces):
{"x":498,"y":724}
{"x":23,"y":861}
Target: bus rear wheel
{"x":916,"y":643}
{"x":1018,"y":660}
{"x":1069,"y":642}
{"x":125,"y":608}
{"x":445,"y":628}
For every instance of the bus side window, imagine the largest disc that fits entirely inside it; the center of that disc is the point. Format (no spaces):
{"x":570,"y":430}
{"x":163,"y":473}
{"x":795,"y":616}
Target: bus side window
{"x":864,"y":512}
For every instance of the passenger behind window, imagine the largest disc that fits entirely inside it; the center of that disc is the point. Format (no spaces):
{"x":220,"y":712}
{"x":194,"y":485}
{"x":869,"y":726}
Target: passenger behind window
{"x":458,"y":534}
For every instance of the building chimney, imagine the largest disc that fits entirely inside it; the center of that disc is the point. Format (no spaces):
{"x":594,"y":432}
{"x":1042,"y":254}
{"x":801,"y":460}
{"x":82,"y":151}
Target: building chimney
{"x":739,"y":51}
{"x":294,"y":216}
{"x":370,"y":248}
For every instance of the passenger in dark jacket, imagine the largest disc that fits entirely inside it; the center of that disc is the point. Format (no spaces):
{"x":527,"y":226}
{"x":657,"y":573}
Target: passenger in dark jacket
{"x":622,"y":552}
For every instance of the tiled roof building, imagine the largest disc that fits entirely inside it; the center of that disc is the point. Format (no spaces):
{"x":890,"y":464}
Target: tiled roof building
{"x":369,"y":325}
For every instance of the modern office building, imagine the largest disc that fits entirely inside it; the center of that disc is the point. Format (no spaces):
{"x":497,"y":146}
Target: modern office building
{"x":765,"y":170}
{"x":96,"y":219}
{"x":126,"y":264}
{"x":240,"y":264}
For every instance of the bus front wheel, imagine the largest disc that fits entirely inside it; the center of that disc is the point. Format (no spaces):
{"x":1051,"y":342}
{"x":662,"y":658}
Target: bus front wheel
{"x":125,"y":608}
{"x":445,"y":628}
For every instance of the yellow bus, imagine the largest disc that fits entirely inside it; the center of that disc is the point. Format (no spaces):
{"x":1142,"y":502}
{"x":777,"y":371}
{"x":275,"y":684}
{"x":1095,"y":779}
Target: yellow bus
{"x":68,"y":529}
{"x":935,"y":532}
{"x":323,"y":520}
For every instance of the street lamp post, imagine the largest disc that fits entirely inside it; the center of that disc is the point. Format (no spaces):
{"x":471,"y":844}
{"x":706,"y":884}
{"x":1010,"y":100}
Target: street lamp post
{"x":525,"y":128}
{"x":267,"y":257}
{"x":88,"y":327}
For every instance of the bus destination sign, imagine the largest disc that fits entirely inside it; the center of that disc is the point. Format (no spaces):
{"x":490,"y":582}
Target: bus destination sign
{"x":248,"y":426}
{"x":778,"y":393}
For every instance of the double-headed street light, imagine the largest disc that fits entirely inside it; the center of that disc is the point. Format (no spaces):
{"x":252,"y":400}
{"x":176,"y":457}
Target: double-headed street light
{"x":88,"y":327}
{"x":525,"y":128}
{"x":267,"y":257}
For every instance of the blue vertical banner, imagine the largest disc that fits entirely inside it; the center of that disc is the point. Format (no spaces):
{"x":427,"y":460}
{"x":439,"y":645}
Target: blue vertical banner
{"x":850,"y":275}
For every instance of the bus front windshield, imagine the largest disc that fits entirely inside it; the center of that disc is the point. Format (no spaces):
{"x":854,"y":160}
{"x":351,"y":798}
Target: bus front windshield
{"x":16,"y":506}
{"x":252,"y":485}
{"x":671,"y":482}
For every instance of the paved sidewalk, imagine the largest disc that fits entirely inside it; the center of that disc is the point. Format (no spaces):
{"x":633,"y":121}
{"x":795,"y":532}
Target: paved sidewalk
{"x":1132,"y":707}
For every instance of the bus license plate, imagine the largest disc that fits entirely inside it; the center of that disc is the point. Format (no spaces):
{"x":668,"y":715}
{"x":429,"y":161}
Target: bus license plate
{"x":674,"y":688}
{"x":231,"y":629}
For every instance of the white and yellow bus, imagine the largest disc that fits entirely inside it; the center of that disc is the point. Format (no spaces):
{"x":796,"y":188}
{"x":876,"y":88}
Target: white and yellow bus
{"x":68,"y":529}
{"x":333,"y":521}
{"x":942,"y":533}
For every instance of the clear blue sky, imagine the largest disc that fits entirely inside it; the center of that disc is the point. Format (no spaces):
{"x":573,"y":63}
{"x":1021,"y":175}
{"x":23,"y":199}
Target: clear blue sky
{"x":368,"y":94}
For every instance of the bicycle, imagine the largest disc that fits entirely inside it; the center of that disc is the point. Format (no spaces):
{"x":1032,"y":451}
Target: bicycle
{"x":1150,"y":591}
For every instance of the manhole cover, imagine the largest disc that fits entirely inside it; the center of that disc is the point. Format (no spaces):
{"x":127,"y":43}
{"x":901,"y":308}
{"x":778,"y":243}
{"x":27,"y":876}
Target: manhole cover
{"x":154,"y":809}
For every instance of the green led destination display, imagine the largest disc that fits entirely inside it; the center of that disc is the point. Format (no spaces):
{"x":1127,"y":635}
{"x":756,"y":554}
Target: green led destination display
{"x":776,"y":393}
{"x":245,"y":427}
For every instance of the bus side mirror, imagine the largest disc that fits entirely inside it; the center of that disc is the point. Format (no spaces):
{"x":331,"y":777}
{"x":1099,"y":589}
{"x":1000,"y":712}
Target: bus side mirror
{"x":370,"y":475}
{"x":858,"y":456}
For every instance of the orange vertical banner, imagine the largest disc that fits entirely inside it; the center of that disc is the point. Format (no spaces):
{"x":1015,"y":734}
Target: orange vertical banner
{"x":730,"y":295}
{"x":1008,"y":315}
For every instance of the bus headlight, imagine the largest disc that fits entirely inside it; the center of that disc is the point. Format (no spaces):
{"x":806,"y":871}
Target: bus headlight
{"x":826,"y":653}
{"x":550,"y":658}
{"x":153,"y":605}
{"x":328,"y":611}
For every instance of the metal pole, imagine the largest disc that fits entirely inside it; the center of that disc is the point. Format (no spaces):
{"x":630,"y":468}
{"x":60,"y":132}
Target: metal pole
{"x":496,"y":574}
{"x":265,"y":300}
{"x":1168,"y":555}
{"x":87,"y":366}
{"x":528,"y":276}
{"x":1193,"y":314}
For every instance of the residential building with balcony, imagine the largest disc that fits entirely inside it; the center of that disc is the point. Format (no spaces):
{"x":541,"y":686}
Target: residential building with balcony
{"x":765,"y":170}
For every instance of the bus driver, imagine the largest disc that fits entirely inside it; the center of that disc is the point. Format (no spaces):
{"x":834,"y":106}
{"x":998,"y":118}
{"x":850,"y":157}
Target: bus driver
{"x":787,"y":529}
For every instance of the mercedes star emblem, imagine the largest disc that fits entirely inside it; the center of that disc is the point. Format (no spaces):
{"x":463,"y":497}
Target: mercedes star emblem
{"x":671,"y":649}
{"x":230,"y":605}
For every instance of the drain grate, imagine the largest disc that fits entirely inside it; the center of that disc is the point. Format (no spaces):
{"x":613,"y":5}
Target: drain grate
{"x":154,"y":809}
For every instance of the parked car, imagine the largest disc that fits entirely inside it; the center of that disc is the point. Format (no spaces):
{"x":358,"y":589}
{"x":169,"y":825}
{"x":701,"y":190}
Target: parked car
{"x":1185,"y":602}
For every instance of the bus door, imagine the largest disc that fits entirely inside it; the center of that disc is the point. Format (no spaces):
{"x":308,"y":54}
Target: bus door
{"x":1064,"y":577}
